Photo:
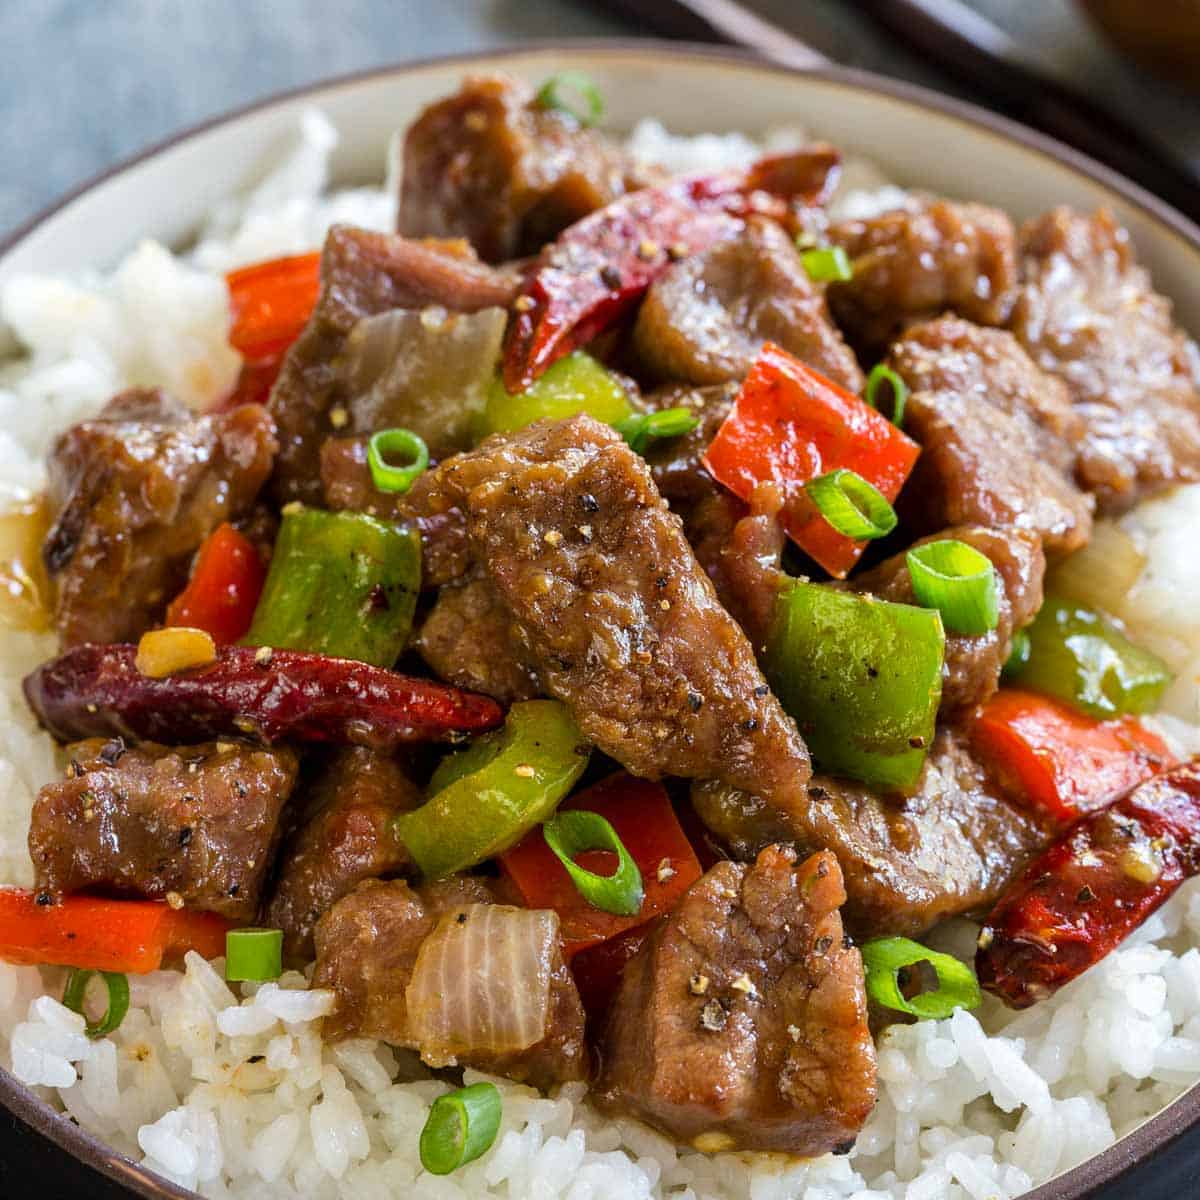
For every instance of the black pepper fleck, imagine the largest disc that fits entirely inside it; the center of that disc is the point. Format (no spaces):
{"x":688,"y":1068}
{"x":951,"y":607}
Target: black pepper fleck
{"x":610,"y":276}
{"x":750,"y":724}
{"x":917,"y":742}
{"x":1085,"y":894}
{"x":761,"y":690}
{"x":43,"y":899}
{"x":111,"y":751}
{"x":695,"y":701}
{"x":185,"y":835}
{"x":377,"y":599}
{"x":589,"y":503}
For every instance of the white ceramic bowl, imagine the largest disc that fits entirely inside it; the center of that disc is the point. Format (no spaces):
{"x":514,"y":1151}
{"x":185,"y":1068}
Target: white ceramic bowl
{"x":920,"y":139}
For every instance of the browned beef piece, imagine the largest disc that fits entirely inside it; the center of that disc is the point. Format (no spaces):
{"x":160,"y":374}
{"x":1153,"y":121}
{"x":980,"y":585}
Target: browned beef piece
{"x":742,"y":1023}
{"x":468,"y":640}
{"x":198,"y":823}
{"x":367,"y":946}
{"x":345,"y":373}
{"x":949,"y":849}
{"x":613,"y":611}
{"x":740,"y":547}
{"x":971,"y":672}
{"x":346,"y":484}
{"x":998,"y":436}
{"x":706,"y":319}
{"x":675,"y":463}
{"x":134,"y":492}
{"x":490,"y":165}
{"x":1087,"y":313}
{"x":344,"y":837}
{"x":917,"y":262}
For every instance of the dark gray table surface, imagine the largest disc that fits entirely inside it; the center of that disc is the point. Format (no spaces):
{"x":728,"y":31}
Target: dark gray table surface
{"x":84,"y":83}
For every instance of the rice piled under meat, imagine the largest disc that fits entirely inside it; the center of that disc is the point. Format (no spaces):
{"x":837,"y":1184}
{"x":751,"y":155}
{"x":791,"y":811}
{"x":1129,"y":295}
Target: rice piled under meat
{"x":231,"y":1091}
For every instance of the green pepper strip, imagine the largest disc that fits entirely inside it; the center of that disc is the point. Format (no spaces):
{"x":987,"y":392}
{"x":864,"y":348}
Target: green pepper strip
{"x":1078,"y":655}
{"x":342,"y":584}
{"x":861,"y":676}
{"x":485,"y":798}
{"x":575,"y":384}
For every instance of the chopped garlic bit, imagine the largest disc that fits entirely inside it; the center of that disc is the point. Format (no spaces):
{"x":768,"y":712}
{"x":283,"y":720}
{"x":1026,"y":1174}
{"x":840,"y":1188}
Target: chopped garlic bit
{"x":698,"y":984}
{"x":163,"y":652}
{"x":524,"y":771}
{"x":794,"y":1032}
{"x":743,"y":983}
{"x":665,"y":870}
{"x":174,"y":900}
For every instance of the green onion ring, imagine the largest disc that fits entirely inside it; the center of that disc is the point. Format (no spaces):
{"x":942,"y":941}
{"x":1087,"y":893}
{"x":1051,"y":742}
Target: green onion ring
{"x":571,"y":833}
{"x":255,"y":955}
{"x":882,"y":374}
{"x":642,"y":428}
{"x":556,"y":93}
{"x":959,"y":582}
{"x":118,"y":1000}
{"x":853,"y":506}
{"x":827,"y":264}
{"x":386,"y":477}
{"x":460,"y":1127}
{"x":883,"y":959}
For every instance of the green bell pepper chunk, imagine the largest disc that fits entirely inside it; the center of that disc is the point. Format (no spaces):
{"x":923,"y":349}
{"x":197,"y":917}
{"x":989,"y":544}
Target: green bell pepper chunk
{"x":340,"y":583}
{"x":485,"y":798}
{"x":862,"y":678}
{"x":1078,"y":655}
{"x":574,"y":384}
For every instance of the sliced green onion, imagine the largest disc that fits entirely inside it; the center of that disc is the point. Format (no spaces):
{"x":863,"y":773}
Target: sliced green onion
{"x":118,"y":1000}
{"x":569,"y":834}
{"x":850,"y":504}
{"x":573,"y":92}
{"x":884,"y":958}
{"x":460,"y":1127}
{"x":882,"y":374}
{"x":828,"y":264}
{"x":1018,"y":656}
{"x":642,"y":428}
{"x":959,"y":582}
{"x":388,"y":478}
{"x":253,"y":954}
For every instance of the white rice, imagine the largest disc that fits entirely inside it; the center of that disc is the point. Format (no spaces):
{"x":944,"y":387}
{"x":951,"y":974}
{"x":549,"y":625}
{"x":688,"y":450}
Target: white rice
{"x":231,"y":1091}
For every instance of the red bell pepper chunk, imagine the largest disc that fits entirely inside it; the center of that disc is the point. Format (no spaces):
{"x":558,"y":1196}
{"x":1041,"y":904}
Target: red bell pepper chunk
{"x":270,"y":303}
{"x":132,"y":936}
{"x":224,"y":588}
{"x":789,"y":425}
{"x":1060,"y":762}
{"x":1086,"y":894}
{"x":640,"y":811}
{"x":599,"y":267}
{"x":597,"y":970}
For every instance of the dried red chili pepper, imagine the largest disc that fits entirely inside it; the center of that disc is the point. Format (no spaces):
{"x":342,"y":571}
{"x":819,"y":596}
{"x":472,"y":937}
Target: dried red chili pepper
{"x":97,"y":691}
{"x":1087,"y":892}
{"x":583,"y":282}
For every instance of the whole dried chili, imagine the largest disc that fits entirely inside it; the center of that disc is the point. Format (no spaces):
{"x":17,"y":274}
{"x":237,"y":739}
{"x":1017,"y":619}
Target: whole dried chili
{"x":97,"y":691}
{"x":1087,"y":892}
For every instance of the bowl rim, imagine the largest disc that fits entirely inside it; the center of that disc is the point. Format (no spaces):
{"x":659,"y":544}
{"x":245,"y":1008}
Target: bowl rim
{"x":1156,"y":1132}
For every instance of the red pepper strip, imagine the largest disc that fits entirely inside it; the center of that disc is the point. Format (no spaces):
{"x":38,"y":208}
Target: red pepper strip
{"x":1079,"y":899}
{"x":270,"y":303}
{"x":789,"y":425}
{"x":221,"y":595}
{"x":132,"y":936}
{"x":597,"y":972}
{"x":601,"y":265}
{"x":1057,"y":760}
{"x":640,"y":811}
{"x":97,"y":691}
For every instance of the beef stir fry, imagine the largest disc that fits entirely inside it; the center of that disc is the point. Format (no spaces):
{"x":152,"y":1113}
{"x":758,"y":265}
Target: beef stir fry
{"x":611,"y":621}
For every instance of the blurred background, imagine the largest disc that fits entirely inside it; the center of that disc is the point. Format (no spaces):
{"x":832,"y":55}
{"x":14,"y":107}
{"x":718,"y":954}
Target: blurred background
{"x":86,"y":83}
